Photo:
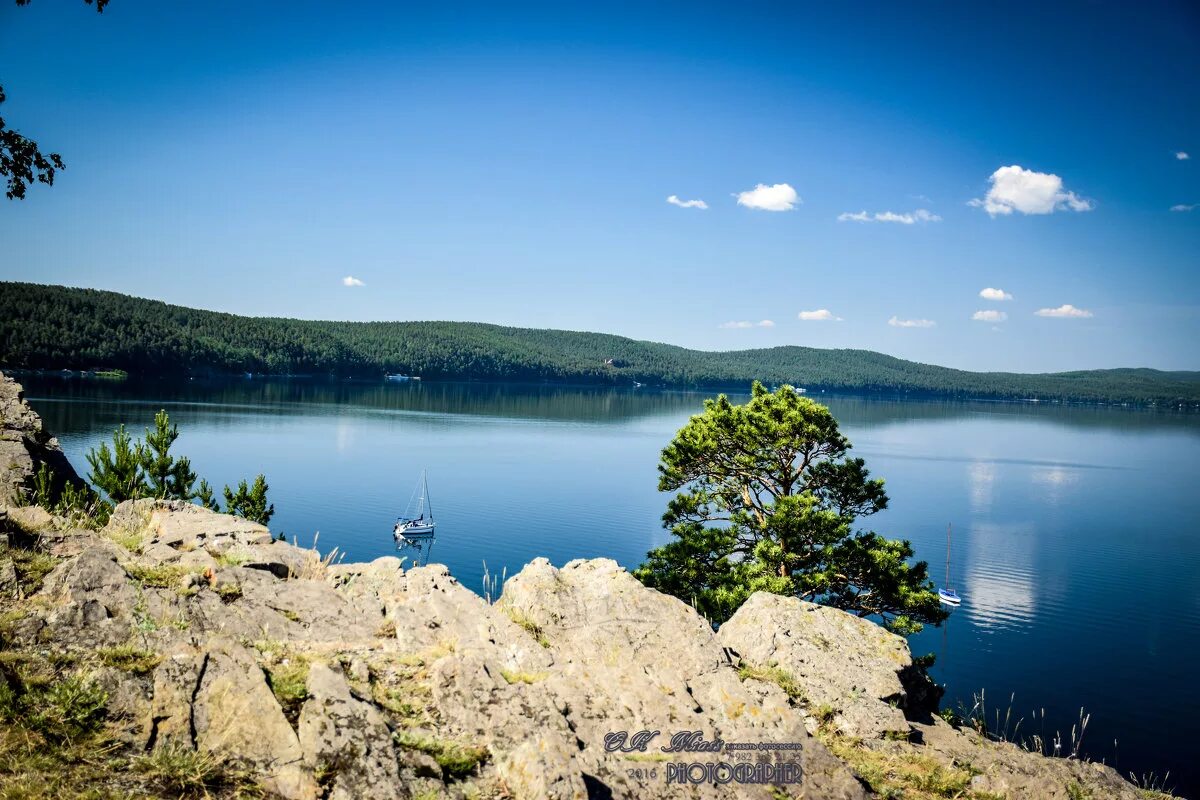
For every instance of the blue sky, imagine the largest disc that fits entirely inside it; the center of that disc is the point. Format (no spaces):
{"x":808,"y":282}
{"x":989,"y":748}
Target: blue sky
{"x":512,"y":164}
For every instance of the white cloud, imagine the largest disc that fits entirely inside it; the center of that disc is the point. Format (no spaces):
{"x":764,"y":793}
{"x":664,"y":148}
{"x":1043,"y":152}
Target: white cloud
{"x":1018,"y":189}
{"x":350,"y":280}
{"x":907,"y":218}
{"x":896,"y":322}
{"x":675,"y":201}
{"x":766,"y":323}
{"x":1184,"y":207}
{"x":989,"y":316}
{"x":1182,"y":156}
{"x":1066,"y":310}
{"x":819,"y":315}
{"x":779,"y":197}
{"x":994,"y":294}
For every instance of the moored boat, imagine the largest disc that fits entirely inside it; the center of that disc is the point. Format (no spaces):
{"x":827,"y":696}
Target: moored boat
{"x":421,"y":524}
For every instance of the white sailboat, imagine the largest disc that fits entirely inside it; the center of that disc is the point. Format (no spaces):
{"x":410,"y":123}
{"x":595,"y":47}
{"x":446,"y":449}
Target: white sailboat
{"x":947,"y":594}
{"x":421,"y":524}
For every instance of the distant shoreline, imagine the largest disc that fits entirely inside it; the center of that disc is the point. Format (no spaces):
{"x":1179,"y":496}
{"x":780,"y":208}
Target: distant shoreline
{"x":707,"y":391}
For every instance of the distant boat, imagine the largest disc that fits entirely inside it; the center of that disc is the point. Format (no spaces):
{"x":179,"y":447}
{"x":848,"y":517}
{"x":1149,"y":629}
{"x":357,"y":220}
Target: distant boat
{"x":418,"y":526}
{"x":947,"y":594}
{"x":398,"y":377}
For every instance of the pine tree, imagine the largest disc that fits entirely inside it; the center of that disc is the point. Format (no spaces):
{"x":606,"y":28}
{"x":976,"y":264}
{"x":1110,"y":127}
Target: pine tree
{"x":117,"y":471}
{"x":768,"y":503}
{"x":250,"y":501}
{"x":169,"y":478}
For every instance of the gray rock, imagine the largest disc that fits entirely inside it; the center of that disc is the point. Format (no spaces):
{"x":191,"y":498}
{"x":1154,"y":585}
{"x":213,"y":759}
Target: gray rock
{"x":635,"y":659}
{"x":235,"y":716}
{"x":25,"y":446}
{"x":347,"y":741}
{"x":839,"y":660}
{"x":89,"y":599}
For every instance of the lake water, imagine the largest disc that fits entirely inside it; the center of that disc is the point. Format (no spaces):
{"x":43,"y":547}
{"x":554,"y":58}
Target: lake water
{"x":1077,"y":530}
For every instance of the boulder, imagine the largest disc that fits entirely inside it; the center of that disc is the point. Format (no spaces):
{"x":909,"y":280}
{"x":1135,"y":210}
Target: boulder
{"x":346,"y":741}
{"x":25,"y":446}
{"x":236,"y":717}
{"x":841,"y":661}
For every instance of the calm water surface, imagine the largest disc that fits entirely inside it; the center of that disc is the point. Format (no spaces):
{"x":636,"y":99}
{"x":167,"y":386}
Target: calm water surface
{"x":1076,"y":529}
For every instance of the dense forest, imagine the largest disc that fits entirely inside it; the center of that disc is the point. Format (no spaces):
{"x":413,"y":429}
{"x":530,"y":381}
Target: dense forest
{"x":55,"y":327}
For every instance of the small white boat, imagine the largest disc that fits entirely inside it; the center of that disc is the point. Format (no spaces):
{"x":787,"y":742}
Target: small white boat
{"x":418,"y":525}
{"x":946,"y":593}
{"x":398,"y":377}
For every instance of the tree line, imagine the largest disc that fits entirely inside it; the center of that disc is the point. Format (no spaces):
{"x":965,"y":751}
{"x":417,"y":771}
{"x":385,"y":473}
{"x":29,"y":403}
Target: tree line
{"x":55,"y":327}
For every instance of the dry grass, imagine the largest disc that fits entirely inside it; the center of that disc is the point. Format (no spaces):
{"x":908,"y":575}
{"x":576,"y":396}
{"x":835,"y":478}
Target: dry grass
{"x":31,"y":566}
{"x":900,"y":772}
{"x":531,"y":627}
{"x":316,"y":566}
{"x":772,"y":673}
{"x":523,"y":677}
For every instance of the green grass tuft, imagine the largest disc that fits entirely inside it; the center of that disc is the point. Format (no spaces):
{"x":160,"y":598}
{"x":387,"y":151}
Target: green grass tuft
{"x":129,"y":658}
{"x":458,"y":761}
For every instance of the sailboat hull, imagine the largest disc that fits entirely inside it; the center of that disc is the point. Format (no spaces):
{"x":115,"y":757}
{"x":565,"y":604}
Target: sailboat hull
{"x":949,"y":597}
{"x":414,"y":529}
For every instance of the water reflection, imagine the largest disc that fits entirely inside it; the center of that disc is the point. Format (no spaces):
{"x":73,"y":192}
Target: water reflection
{"x":981,"y":479}
{"x":999,"y":589}
{"x":415,"y":552}
{"x":556,"y":402}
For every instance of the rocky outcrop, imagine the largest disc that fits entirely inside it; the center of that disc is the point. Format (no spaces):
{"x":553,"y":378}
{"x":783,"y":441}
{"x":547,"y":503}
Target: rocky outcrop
{"x":371,"y":681}
{"x":25,"y":446}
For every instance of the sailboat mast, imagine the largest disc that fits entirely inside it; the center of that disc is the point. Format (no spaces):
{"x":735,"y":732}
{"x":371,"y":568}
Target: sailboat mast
{"x":425,"y":492}
{"x":948,"y":584}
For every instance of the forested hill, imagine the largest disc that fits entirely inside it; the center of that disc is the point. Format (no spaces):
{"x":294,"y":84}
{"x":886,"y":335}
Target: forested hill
{"x":55,"y":327}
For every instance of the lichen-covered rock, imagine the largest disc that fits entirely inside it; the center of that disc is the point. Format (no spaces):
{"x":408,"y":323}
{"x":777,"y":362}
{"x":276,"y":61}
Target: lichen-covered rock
{"x":849,"y":664}
{"x":630,"y":659}
{"x":237,"y":718}
{"x":89,"y":600}
{"x":25,"y":446}
{"x":346,"y":741}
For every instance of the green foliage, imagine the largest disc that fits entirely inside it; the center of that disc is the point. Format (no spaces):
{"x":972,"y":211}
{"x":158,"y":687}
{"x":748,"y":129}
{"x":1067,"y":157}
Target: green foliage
{"x":64,"y":709}
{"x":167,"y":477}
{"x":179,"y":771}
{"x":250,"y":501}
{"x":77,"y":503}
{"x":117,"y":472}
{"x":158,"y":576}
{"x":289,"y":681}
{"x":131,"y":469}
{"x":205,"y":495}
{"x":143,"y":468}
{"x":129,"y":658}
{"x":769,"y":503}
{"x":531,"y":627}
{"x":57,"y":327}
{"x":22,"y":162}
{"x":43,"y":487}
